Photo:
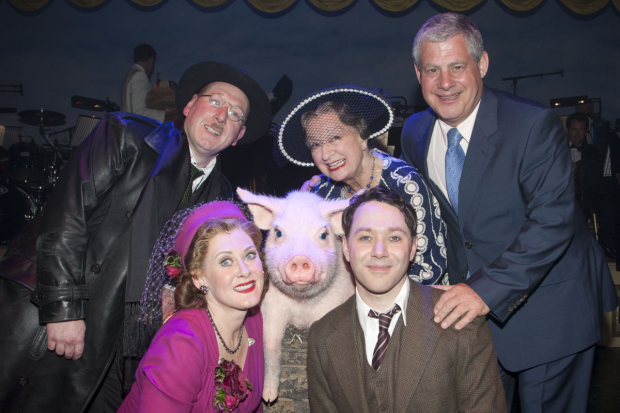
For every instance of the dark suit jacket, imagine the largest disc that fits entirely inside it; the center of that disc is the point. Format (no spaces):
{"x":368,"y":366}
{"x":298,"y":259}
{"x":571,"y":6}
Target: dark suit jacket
{"x":531,"y":257}
{"x":438,"y":370}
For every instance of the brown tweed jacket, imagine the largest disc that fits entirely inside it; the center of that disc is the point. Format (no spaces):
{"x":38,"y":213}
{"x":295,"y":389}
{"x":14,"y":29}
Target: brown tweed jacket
{"x":438,"y":370}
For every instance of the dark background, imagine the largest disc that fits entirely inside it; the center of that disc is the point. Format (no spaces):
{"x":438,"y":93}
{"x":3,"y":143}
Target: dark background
{"x":64,"y":50}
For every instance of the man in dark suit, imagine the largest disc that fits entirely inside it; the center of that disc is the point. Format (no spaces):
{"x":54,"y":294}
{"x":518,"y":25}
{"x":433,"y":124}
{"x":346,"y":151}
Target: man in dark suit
{"x":381,"y":350}
{"x":517,"y":250}
{"x":576,"y":131}
{"x":87,"y":254}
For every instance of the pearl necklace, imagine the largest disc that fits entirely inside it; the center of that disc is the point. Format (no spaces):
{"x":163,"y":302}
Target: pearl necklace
{"x":222,"y":340}
{"x":372,"y":175}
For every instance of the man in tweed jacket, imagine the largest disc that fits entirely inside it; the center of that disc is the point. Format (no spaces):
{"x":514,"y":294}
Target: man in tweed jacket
{"x":356,"y":363}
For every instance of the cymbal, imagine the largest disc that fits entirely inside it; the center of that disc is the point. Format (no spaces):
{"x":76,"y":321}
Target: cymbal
{"x":41,"y":117}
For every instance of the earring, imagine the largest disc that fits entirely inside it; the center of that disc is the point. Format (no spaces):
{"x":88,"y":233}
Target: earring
{"x":204,"y":289}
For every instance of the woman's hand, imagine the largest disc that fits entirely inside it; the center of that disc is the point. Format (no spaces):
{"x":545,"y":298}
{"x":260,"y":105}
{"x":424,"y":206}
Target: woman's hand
{"x":314,"y":181}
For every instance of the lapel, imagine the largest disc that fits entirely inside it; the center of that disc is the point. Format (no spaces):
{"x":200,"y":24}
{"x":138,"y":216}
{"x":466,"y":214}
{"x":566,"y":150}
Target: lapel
{"x":170,"y":177}
{"x":343,"y":354}
{"x":480,"y":151}
{"x":417,"y":346}
{"x":423,"y":144}
{"x":425,"y":131}
{"x":157,"y":203}
{"x":211,"y":189}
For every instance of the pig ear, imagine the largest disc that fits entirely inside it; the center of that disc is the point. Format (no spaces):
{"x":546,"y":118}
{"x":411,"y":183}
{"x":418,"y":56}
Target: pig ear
{"x":335,"y":221}
{"x":264,"y":208}
{"x":332,"y":211}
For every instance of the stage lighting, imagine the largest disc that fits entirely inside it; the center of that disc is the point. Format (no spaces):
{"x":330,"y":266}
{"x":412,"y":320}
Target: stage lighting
{"x":570,"y":101}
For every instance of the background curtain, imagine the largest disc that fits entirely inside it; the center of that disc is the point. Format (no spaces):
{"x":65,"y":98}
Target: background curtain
{"x":583,"y":7}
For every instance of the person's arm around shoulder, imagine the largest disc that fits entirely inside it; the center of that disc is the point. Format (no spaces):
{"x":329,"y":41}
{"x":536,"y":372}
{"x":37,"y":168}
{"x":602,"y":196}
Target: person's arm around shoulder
{"x":319,"y":393}
{"x":478,"y":381}
{"x":310,"y":184}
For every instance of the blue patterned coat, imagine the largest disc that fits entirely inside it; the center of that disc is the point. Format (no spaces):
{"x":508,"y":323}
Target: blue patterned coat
{"x":430,"y":259}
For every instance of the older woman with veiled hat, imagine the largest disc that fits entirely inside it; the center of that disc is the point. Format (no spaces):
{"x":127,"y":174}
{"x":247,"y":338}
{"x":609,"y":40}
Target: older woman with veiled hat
{"x":333,"y":129}
{"x":208,"y":355}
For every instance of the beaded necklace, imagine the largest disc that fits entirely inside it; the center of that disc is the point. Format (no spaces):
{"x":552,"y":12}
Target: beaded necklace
{"x":372,"y":175}
{"x":222,"y":340}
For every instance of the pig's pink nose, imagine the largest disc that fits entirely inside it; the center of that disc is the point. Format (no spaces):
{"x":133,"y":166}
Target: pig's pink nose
{"x":299,"y":270}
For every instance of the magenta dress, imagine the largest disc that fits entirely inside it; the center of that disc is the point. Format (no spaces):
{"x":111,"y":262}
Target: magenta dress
{"x":177,"y":373}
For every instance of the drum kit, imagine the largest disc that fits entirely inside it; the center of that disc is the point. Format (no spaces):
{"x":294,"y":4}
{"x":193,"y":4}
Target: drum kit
{"x":28,"y":173}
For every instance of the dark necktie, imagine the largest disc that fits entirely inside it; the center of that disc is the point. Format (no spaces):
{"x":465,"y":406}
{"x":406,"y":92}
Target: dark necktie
{"x":384,"y":335}
{"x":455,"y":158}
{"x":188,"y":192}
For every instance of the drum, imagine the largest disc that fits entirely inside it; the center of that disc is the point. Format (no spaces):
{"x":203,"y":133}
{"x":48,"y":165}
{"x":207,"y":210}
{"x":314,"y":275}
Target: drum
{"x":53,"y":163}
{"x":38,"y":192}
{"x":16,"y":208}
{"x":26,"y":162}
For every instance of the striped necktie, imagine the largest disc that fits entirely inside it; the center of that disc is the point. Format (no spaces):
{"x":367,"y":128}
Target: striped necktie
{"x":455,"y":158}
{"x":384,"y":335}
{"x":187,"y":195}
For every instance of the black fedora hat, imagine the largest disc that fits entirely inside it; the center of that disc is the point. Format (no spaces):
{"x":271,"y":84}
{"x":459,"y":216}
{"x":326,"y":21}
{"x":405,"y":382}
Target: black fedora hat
{"x":201,"y":74}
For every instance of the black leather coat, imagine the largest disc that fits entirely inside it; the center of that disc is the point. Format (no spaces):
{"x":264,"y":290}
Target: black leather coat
{"x":99,"y":225}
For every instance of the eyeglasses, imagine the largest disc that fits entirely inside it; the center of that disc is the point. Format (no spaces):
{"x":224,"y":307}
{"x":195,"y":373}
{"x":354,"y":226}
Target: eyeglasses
{"x":217,"y":100}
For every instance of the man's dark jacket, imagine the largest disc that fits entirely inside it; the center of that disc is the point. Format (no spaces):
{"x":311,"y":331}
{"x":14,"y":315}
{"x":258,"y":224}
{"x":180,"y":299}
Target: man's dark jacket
{"x":531,"y":257}
{"x":93,"y":244}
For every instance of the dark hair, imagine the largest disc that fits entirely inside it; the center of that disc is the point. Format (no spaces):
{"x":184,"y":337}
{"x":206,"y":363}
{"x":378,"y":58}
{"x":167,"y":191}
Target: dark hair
{"x":143,"y":53}
{"x":186,"y":294}
{"x":386,"y":196}
{"x":579,"y":117}
{"x":346,"y":114}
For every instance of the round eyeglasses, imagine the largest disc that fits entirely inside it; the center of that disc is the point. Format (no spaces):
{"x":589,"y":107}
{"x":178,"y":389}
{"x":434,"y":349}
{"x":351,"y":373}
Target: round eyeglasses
{"x":217,"y":100}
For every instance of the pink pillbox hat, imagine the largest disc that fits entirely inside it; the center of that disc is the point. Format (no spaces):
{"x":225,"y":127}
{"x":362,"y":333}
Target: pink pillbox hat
{"x":212,"y":210}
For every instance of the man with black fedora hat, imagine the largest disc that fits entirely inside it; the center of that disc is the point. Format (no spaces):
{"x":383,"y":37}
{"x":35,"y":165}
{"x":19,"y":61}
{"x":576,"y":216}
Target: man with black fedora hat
{"x":75,"y":275}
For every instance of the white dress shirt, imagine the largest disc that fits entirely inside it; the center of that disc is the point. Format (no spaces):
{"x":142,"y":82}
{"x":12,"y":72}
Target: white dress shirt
{"x":436,"y":158}
{"x":135,"y":87}
{"x":206,"y":171}
{"x":370,"y":326}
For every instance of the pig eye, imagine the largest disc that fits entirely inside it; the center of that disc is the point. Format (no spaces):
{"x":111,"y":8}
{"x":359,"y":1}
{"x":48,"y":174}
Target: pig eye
{"x":278,"y":233}
{"x":323,"y":236}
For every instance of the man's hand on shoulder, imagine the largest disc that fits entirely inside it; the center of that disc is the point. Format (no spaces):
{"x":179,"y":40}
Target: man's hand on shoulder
{"x":66,"y":338}
{"x":314,"y":181}
{"x":458,"y":300}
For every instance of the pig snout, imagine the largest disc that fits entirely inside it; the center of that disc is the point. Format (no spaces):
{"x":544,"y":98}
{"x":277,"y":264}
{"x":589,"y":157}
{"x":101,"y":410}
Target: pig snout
{"x":300,"y":270}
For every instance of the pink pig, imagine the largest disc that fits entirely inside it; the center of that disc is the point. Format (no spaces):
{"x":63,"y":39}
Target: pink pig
{"x":307,"y":274}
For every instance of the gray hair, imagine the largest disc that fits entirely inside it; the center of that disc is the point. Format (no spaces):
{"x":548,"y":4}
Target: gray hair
{"x":442,"y":28}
